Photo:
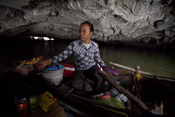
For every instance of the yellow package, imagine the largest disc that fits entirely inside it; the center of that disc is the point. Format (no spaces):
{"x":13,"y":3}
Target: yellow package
{"x":47,"y":101}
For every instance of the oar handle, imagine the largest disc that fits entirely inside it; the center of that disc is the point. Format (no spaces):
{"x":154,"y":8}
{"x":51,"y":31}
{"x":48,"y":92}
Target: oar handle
{"x":142,"y":72}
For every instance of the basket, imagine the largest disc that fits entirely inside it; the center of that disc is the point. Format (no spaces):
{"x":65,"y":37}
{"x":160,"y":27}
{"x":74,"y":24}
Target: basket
{"x":54,"y":77}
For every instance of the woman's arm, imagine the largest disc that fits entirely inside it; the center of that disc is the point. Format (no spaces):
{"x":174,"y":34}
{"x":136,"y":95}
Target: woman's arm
{"x":62,"y":56}
{"x":98,"y":58}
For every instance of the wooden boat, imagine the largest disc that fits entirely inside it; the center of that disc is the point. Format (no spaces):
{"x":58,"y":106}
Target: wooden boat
{"x":150,"y":95}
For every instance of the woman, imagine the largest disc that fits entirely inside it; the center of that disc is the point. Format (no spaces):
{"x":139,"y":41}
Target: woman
{"x":86,"y":55}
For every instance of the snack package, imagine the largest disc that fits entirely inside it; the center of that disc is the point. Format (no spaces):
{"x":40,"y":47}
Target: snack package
{"x":31,"y":62}
{"x":47,"y":101}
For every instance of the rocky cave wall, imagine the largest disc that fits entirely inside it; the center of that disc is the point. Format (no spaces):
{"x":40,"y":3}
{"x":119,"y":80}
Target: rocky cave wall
{"x":133,"y":22}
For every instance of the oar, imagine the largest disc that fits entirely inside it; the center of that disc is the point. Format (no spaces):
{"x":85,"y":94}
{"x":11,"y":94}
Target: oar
{"x":144,"y":73}
{"x":125,"y":92}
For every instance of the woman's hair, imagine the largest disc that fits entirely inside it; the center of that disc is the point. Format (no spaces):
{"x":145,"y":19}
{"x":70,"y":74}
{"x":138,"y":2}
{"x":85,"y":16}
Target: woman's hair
{"x":90,"y":25}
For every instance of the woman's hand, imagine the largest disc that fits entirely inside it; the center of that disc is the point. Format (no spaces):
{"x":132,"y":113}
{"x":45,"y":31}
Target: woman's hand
{"x":42,"y":64}
{"x":23,"y":71}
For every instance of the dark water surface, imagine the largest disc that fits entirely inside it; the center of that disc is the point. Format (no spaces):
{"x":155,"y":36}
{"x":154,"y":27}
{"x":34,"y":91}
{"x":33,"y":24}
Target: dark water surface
{"x":158,"y":62}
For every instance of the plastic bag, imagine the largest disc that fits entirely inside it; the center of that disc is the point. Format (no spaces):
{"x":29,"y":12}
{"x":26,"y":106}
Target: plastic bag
{"x":112,"y":101}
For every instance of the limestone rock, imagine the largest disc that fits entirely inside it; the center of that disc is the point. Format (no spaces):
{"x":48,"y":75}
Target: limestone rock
{"x":133,"y":22}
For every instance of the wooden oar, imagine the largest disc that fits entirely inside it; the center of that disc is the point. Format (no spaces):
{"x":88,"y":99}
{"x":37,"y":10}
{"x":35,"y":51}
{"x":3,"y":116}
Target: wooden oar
{"x":144,"y":73}
{"x":124,"y":91}
{"x":129,"y":68}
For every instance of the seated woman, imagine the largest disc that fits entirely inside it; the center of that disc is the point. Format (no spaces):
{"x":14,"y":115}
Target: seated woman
{"x":86,"y":55}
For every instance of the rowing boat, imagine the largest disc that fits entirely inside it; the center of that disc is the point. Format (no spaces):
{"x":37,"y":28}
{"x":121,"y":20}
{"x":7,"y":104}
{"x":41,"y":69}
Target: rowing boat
{"x":145,"y":95}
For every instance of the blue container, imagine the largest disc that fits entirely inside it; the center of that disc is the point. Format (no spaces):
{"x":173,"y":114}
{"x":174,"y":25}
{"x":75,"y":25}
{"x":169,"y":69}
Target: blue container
{"x":55,"y":67}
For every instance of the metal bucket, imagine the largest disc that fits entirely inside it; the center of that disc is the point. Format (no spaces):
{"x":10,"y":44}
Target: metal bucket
{"x":53,"y":76}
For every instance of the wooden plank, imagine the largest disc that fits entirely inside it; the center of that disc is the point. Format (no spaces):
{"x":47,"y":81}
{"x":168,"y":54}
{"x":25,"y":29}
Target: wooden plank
{"x":65,"y":89}
{"x":125,"y":92}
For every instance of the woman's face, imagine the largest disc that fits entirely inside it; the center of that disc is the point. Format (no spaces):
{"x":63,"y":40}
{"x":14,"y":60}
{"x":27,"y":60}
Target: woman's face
{"x":85,"y":33}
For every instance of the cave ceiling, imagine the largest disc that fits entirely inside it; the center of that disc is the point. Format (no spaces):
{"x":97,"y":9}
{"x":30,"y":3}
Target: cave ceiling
{"x":139,"y":22}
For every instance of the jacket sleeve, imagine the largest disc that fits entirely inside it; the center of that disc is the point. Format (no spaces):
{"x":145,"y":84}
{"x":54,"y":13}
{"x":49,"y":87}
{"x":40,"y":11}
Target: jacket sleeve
{"x":98,"y":58}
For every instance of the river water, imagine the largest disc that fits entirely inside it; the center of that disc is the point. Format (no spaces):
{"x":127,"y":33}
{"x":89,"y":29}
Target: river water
{"x":158,"y":62}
